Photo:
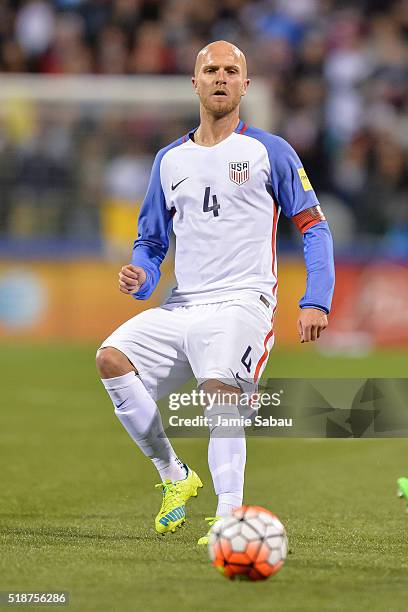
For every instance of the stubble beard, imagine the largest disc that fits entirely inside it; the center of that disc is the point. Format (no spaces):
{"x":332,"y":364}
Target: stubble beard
{"x":218,"y":112}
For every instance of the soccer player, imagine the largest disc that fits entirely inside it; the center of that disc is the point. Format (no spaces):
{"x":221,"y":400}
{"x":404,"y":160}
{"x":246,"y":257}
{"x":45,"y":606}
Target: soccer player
{"x":220,"y":188}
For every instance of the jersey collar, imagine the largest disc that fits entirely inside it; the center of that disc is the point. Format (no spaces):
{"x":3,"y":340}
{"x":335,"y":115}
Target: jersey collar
{"x":240,"y":129}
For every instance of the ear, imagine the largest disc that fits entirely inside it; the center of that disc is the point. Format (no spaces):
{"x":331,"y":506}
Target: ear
{"x":194,"y":82}
{"x":245,"y":86}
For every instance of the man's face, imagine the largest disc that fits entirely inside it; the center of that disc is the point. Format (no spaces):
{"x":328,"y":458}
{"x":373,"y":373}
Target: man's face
{"x":220,"y":78}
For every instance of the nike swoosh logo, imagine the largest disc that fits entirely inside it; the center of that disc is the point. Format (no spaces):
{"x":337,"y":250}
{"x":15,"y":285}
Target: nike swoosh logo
{"x":173,"y":187}
{"x":121,"y":404}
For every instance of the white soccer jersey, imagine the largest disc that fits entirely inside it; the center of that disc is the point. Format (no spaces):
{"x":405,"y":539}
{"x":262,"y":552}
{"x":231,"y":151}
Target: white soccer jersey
{"x":223,"y":203}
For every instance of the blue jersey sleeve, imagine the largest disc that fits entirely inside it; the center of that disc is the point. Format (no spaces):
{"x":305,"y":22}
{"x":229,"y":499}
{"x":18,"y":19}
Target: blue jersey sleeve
{"x":294,"y":194}
{"x":292,"y":191}
{"x":319,"y":259}
{"x":154,"y":227}
{"x":289,"y":183}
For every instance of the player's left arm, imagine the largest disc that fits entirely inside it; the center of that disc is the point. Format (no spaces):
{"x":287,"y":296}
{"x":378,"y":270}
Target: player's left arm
{"x":296,"y":196}
{"x":318,"y":253}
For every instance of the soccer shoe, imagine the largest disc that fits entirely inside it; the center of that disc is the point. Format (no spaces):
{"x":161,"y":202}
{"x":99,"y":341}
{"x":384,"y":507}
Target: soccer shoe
{"x":210,"y":520}
{"x":403,"y":489}
{"x":175,"y":495}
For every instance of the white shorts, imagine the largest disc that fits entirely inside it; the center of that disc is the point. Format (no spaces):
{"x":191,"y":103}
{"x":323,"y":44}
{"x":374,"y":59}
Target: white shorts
{"x":227,"y":341}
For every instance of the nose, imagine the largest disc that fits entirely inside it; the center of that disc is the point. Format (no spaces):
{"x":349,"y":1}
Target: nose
{"x":220,"y":80}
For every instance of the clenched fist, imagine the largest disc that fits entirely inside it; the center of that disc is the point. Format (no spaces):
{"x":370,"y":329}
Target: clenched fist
{"x":131,"y":278}
{"x":311,"y":323}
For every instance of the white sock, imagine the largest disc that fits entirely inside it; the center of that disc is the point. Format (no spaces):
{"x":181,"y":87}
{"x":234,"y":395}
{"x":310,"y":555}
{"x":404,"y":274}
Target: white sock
{"x":226,"y":458}
{"x":227,"y":502}
{"x":139,"y":415}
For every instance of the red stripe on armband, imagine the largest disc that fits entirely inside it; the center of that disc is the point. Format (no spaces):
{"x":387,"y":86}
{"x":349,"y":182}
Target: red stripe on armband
{"x":308,"y":218}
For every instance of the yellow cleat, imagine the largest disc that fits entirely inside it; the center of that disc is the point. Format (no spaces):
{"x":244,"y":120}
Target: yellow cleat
{"x":210,"y":520}
{"x":175,"y":495}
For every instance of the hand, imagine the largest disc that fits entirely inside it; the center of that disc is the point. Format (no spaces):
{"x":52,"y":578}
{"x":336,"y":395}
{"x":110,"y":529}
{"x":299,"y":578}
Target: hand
{"x":311,"y":323}
{"x":131,"y":278}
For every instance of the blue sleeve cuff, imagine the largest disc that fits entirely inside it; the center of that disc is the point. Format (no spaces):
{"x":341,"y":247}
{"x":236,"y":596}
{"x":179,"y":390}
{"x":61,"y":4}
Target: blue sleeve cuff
{"x":315,"y":306}
{"x":146,"y":289}
{"x":319,"y":260}
{"x":152,"y":274}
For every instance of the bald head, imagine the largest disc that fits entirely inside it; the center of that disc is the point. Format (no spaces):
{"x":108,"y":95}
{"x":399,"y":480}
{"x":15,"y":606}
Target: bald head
{"x":220,"y":79}
{"x":221,"y":48}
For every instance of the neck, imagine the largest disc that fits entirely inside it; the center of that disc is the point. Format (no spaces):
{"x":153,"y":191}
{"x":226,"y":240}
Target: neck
{"x":213,"y":130}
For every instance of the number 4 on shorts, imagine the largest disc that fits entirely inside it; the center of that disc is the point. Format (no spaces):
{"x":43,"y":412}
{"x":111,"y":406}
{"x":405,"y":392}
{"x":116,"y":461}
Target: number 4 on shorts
{"x":245,"y":361}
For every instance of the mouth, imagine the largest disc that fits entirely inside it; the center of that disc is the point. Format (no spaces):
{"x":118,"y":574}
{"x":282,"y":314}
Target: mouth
{"x":220,"y":92}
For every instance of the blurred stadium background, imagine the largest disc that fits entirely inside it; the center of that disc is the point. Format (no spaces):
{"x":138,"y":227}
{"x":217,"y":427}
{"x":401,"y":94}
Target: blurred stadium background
{"x":90,"y":89}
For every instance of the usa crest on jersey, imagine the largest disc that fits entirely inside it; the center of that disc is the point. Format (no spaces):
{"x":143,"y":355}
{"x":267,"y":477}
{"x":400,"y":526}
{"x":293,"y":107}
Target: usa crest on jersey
{"x":239,"y":172}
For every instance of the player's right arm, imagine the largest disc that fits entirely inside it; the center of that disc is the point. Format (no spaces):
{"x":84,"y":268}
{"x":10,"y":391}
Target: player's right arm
{"x":140,"y":278}
{"x":131,"y":278}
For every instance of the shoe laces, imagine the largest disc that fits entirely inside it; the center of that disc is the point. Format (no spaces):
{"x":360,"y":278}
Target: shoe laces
{"x":211,"y":520}
{"x":170,"y":492}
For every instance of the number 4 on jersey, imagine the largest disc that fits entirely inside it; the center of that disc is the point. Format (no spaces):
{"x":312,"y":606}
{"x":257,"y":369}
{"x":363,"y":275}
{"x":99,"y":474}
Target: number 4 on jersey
{"x":215,"y":206}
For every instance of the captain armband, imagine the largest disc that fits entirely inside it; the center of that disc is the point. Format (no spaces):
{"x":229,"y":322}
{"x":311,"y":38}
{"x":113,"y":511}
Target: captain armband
{"x":308,"y":218}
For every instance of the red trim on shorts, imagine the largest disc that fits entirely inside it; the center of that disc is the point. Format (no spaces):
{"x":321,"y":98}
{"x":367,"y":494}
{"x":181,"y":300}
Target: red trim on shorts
{"x":264,"y":354}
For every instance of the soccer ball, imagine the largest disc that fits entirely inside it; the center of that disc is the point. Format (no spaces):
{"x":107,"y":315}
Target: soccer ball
{"x":251,"y":544}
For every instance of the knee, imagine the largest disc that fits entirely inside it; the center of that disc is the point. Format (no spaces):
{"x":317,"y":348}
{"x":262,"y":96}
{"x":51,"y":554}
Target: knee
{"x":111,"y":362}
{"x":222,"y":410}
{"x":220,"y":392}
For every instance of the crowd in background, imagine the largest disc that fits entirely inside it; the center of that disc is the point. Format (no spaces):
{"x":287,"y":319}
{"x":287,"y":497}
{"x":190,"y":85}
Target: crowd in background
{"x":338,"y":70}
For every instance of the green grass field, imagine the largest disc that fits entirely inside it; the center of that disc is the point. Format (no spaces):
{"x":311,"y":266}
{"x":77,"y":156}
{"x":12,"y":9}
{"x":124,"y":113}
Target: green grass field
{"x":77,"y":504}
